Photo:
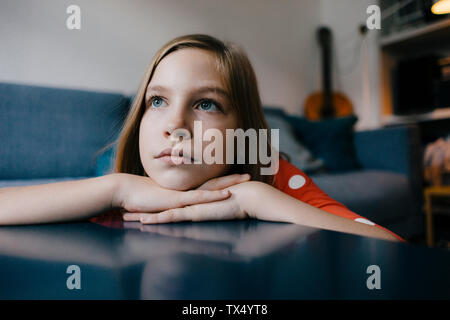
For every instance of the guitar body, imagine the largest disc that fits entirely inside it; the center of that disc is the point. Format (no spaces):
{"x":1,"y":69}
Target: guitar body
{"x":314,"y":103}
{"x":326,"y":104}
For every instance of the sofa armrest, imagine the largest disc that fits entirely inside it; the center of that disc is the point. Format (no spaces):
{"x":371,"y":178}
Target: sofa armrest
{"x":396,"y":149}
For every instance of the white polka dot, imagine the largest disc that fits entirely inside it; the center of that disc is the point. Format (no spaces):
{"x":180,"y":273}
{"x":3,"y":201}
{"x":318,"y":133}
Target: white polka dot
{"x":296,"y":182}
{"x":362,"y":220}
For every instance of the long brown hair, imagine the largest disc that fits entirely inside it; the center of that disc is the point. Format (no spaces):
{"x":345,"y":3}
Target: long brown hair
{"x":239,"y":80}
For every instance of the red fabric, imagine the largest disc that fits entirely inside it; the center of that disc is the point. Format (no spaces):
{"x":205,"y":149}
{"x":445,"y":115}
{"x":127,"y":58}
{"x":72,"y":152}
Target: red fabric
{"x":291,"y":181}
{"x":111,"y":219}
{"x":297,"y":184}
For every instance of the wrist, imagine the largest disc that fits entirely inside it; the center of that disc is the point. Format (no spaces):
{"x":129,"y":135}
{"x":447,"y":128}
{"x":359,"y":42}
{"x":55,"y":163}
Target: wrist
{"x":250,"y":198}
{"x":256,"y":205}
{"x":117,"y":181}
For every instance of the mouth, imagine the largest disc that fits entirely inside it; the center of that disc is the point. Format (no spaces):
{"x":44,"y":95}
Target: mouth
{"x":174,"y":156}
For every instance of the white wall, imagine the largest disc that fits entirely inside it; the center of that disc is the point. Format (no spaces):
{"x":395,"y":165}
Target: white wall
{"x":356,"y":61}
{"x":118,"y":38}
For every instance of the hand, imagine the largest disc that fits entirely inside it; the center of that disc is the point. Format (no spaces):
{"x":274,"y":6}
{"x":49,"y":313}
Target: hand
{"x":228,"y":209}
{"x":140,"y":194}
{"x":224,"y":182}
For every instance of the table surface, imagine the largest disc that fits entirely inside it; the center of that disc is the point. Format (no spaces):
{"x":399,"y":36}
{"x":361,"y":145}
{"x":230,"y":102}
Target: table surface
{"x":246,"y":259}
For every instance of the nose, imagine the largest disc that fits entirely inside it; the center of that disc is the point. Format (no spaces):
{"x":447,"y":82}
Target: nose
{"x":177,"y":122}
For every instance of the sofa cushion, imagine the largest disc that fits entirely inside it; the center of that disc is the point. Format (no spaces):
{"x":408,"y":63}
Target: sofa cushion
{"x":105,"y":161}
{"x":298,"y":153}
{"x":380,"y":196}
{"x":48,"y":132}
{"x":330,"y":140}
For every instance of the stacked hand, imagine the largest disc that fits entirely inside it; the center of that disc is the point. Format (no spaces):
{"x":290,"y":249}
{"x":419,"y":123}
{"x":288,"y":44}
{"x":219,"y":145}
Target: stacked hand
{"x":220,"y":198}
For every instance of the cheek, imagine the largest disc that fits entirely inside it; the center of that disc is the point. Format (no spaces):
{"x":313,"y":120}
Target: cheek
{"x":143,"y":134}
{"x":147,"y":141}
{"x":222,"y":126}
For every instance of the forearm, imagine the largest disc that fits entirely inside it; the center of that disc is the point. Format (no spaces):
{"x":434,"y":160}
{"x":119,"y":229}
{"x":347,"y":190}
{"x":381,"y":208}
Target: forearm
{"x":57,"y":202}
{"x":283,"y":207}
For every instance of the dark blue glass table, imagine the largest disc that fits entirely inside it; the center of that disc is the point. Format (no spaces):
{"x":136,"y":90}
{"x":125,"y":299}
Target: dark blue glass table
{"x":248,"y":259}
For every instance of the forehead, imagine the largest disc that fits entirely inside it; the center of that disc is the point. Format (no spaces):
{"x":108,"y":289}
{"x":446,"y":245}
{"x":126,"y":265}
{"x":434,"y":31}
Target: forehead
{"x":181,"y":67}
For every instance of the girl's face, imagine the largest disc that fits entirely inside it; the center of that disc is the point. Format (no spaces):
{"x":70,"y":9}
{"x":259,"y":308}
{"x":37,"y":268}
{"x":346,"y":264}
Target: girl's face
{"x":185,"y":87}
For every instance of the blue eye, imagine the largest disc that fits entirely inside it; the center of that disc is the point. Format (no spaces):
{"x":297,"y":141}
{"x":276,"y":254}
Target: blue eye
{"x":156,"y":102}
{"x":208,"y":105}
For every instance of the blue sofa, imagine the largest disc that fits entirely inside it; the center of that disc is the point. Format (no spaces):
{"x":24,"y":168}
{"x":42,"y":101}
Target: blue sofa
{"x":388,"y":187}
{"x":51,"y":135}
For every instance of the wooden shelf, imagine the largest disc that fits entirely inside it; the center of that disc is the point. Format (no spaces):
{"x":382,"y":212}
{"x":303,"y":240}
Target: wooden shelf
{"x":433,"y":38}
{"x":431,"y":34}
{"x":437,"y":114}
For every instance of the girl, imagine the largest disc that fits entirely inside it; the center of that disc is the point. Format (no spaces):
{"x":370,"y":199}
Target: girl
{"x":192,"y":78}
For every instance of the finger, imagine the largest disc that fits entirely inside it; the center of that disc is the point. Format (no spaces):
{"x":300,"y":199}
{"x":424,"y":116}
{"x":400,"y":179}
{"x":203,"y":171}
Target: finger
{"x":139,"y":217}
{"x":224,"y":182}
{"x":185,"y":198}
{"x":219,"y":210}
{"x":128,"y":216}
{"x":171,"y":215}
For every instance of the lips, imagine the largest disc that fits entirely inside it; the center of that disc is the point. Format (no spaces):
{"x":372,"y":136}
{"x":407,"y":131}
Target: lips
{"x":174,"y":154}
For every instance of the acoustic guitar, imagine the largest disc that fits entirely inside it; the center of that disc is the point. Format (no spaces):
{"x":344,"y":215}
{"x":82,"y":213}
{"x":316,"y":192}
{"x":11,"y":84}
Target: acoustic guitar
{"x":326,"y":104}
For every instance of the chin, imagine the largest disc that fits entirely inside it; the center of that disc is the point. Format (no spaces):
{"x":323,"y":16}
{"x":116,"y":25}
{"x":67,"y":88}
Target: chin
{"x":180,"y":181}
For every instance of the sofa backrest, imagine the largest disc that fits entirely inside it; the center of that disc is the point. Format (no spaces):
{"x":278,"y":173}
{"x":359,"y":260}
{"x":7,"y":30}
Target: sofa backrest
{"x":50,"y":132}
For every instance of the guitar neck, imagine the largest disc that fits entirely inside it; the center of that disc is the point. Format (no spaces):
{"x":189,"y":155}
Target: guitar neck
{"x":325,"y":42}
{"x":326,"y":72}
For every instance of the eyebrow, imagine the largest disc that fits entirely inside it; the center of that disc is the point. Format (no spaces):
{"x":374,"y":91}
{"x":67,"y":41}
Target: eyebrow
{"x":204,"y":89}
